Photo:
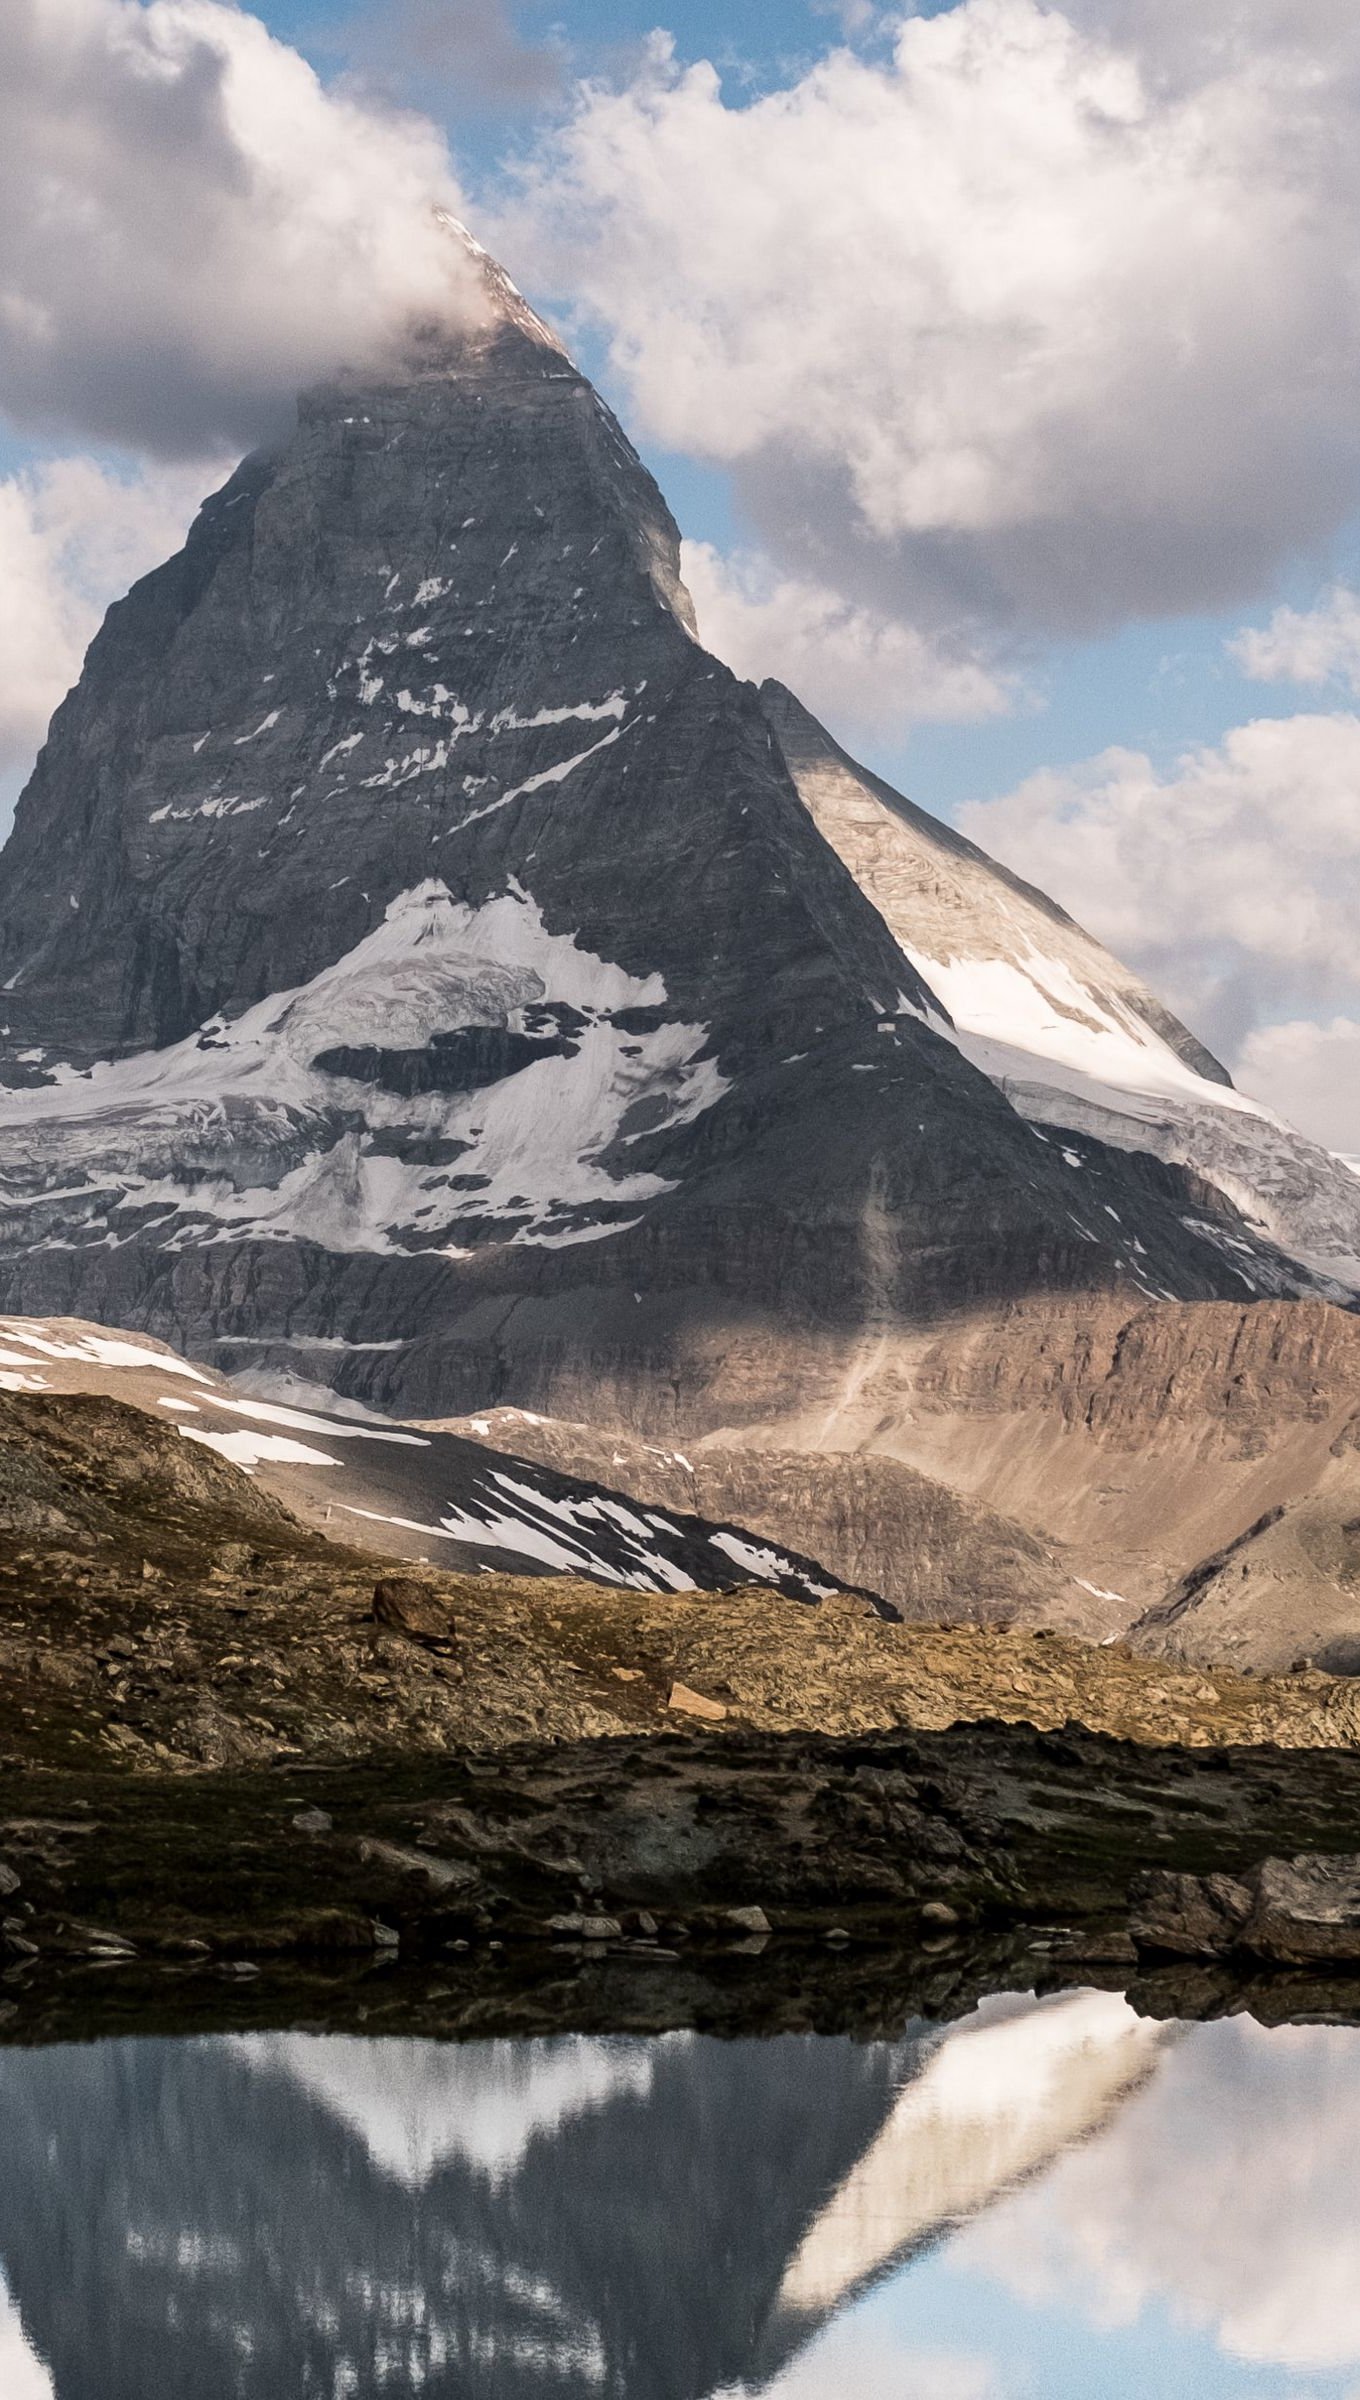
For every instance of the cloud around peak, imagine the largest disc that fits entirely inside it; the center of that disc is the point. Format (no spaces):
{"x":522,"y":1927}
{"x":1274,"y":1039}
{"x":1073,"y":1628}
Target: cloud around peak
{"x":870,"y":672}
{"x":192,"y":225}
{"x":1309,"y":646}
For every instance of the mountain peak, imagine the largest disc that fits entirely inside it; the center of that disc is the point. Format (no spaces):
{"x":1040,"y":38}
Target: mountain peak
{"x":505,"y":302}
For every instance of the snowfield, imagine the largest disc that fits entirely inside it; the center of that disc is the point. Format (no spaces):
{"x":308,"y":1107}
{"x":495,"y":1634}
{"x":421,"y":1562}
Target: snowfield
{"x":237,"y":1131}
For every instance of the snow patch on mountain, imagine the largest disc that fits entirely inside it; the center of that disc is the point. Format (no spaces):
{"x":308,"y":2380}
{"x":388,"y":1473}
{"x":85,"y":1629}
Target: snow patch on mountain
{"x":758,"y":1560}
{"x":1070,"y":1036}
{"x":248,"y":1449}
{"x":1084,"y":1062}
{"x":1033,"y":1005}
{"x":30,"y":1338}
{"x":238,"y":1130}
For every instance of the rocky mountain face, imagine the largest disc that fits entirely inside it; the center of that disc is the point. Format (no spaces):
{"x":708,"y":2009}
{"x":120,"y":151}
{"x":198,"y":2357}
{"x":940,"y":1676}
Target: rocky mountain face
{"x":937,"y":1555}
{"x":1284,"y":1593}
{"x":1184,"y":1478}
{"x":1067,"y":1033}
{"x":421,"y":972}
{"x":405,"y":1491}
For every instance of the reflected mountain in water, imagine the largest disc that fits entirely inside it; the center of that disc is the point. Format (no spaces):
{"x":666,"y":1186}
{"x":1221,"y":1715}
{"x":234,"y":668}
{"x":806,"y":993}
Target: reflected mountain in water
{"x":292,"y":2218}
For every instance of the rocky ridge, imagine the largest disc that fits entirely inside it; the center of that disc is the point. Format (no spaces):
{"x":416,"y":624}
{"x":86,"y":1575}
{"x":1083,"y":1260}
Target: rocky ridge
{"x":936,"y":1554}
{"x":1073,"y":1039}
{"x":406,"y":1491}
{"x":1184,"y":1480}
{"x":159,"y":1607}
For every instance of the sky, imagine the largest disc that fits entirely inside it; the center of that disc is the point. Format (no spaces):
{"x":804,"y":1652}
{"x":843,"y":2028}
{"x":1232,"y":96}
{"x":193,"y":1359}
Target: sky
{"x":1000,"y":361}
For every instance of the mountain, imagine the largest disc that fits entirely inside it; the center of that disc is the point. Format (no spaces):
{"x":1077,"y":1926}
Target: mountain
{"x":1067,"y":1033}
{"x":632,"y":2240}
{"x":421,"y":970}
{"x":936,"y":1554}
{"x":409,"y":1492}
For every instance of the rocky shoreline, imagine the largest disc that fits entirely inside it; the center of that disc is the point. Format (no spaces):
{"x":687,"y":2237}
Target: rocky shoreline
{"x":699,"y":1878}
{"x":246,"y":1768}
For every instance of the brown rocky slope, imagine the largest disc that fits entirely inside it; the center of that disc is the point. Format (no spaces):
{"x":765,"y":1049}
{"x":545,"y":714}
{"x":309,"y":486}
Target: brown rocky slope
{"x":158,"y":1608}
{"x":1115,"y":1450}
{"x":938,"y":1555}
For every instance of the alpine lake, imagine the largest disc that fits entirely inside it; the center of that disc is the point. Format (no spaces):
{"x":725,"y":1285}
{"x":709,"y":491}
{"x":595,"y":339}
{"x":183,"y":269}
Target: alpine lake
{"x":933,"y":2175}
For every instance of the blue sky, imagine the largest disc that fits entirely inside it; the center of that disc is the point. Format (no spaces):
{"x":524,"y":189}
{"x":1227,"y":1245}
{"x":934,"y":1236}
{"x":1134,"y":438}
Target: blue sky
{"x":1000,"y":360}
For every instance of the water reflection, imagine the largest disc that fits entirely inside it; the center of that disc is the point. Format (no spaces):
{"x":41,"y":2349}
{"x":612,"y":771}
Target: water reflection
{"x":1052,"y":2197}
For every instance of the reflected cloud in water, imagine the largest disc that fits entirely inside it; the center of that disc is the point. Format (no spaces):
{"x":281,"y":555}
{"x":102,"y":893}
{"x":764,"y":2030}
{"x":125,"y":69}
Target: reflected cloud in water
{"x":1051,"y":2198}
{"x":22,"y":2374}
{"x":1226,"y":2191}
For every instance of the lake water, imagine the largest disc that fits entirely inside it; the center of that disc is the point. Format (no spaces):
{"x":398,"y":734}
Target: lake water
{"x":1055,"y":2198}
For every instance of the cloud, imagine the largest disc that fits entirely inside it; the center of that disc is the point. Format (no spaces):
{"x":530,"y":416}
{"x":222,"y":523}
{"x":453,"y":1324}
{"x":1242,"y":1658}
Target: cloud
{"x":856,"y":18}
{"x":472,"y":50}
{"x":1317,"y":645}
{"x":872,"y":674}
{"x":1311,"y":1073}
{"x":73,"y":536}
{"x":1232,"y":882}
{"x":1007,"y":329}
{"x":857,"y":2355}
{"x":1178,"y":42}
{"x":1224,"y":2193}
{"x":191,"y":225}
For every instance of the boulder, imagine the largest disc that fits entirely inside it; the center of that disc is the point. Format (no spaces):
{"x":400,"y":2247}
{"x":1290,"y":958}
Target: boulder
{"x":1188,"y":1916}
{"x":694,"y":1704}
{"x":406,"y":1605}
{"x":1286,"y":1911}
{"x":441,"y":1874}
{"x":1305,"y":1909}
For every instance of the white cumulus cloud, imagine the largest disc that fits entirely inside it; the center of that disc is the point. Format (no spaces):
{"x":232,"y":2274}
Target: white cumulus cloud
{"x":1013,"y":328}
{"x":1314,"y":645}
{"x":1232,"y":881}
{"x":191,"y":225}
{"x":74,"y":534}
{"x":874,"y":674}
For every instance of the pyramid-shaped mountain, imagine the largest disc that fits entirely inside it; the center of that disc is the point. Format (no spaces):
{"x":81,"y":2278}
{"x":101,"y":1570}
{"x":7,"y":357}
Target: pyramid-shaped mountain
{"x":423,"y":970}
